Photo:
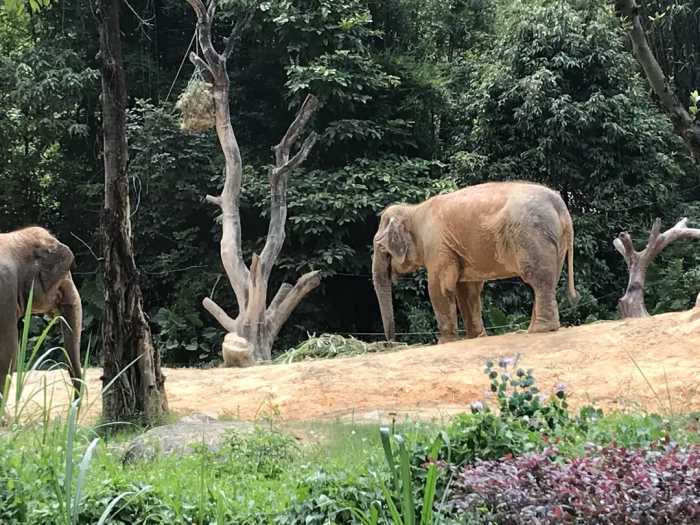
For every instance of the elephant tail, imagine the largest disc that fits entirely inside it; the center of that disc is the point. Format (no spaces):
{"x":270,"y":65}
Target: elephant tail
{"x":573,"y":294}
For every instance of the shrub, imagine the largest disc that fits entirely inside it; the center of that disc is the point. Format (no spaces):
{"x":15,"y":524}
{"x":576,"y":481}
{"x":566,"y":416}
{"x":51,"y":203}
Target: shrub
{"x":264,"y":453}
{"x":526,"y":420}
{"x":324,"y":498}
{"x":610,"y":485}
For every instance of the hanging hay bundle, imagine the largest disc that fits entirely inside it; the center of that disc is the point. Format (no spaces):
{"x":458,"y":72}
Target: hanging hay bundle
{"x":196,"y":104}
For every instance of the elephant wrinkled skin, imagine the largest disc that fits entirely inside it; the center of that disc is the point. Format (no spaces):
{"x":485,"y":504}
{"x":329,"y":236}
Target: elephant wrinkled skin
{"x":33,"y":255}
{"x":490,"y":231}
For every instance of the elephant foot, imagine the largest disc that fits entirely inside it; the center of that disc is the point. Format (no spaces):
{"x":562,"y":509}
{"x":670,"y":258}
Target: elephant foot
{"x":472,"y":335}
{"x":443,"y":339}
{"x":539,"y":327}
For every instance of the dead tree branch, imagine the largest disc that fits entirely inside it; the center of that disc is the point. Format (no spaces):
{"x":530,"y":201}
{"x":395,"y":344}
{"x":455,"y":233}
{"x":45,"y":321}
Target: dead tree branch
{"x":257,"y":324}
{"x":632,"y":303}
{"x":683,"y":123}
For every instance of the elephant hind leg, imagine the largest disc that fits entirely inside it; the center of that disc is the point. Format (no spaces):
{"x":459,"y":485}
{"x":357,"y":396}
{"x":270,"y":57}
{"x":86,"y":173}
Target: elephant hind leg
{"x":545,"y":311}
{"x":469,"y":301}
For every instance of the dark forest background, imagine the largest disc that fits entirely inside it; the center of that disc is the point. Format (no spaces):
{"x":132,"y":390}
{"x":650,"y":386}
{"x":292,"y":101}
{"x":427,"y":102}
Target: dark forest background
{"x":419,"y":97}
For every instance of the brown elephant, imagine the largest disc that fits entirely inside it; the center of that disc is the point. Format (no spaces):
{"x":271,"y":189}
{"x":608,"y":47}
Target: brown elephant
{"x":489,"y":231}
{"x":33,"y":255}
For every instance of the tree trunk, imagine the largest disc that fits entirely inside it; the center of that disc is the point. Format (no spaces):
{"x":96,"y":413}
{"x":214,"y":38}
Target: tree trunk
{"x":632,"y":303}
{"x":128,"y":353}
{"x":684,"y":124}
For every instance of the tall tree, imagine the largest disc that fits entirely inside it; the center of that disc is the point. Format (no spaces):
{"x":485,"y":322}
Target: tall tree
{"x":684,"y":124}
{"x":128,"y":351}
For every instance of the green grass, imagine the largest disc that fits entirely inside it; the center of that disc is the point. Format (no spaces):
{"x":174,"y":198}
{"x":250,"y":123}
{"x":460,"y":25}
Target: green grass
{"x":58,"y":472}
{"x":267,"y":476}
{"x":257,"y":477}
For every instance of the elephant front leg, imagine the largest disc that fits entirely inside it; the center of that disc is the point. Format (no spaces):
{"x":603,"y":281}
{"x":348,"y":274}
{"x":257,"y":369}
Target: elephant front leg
{"x":8,"y":351}
{"x":442,"y":287}
{"x":469,"y":300}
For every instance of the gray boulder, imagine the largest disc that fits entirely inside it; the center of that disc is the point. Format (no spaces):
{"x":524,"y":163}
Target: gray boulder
{"x":183,"y":437}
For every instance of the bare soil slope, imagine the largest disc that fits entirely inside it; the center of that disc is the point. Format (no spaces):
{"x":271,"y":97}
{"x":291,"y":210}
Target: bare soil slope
{"x":649,"y":363}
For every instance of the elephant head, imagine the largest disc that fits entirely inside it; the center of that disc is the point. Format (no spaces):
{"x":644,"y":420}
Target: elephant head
{"x":53,"y":260}
{"x":394,"y":253}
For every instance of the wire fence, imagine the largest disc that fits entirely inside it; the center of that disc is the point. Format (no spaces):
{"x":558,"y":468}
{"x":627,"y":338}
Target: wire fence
{"x":572,"y":308}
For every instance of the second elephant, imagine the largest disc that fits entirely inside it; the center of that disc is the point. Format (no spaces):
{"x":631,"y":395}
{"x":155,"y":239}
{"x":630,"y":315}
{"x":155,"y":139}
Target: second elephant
{"x":490,"y":231}
{"x":33,"y":259}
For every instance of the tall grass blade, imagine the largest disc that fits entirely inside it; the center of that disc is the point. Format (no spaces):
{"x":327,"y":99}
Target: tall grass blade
{"x":22,"y":352}
{"x":114,"y":379}
{"x":426,"y":517}
{"x":70,"y":442}
{"x":42,"y":337}
{"x":373,"y":514}
{"x":110,"y":507}
{"x":646,"y":379}
{"x":82,"y":475}
{"x":395,"y":516}
{"x":20,"y":408}
{"x":373,"y":517}
{"x":407,"y":505}
{"x":389,"y":454}
{"x":220,"y":498}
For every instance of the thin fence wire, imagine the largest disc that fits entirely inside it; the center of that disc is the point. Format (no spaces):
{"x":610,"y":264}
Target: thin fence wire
{"x":593,"y":300}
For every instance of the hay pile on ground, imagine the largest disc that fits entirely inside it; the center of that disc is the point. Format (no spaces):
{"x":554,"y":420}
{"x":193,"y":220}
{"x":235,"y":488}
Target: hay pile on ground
{"x":329,"y":346}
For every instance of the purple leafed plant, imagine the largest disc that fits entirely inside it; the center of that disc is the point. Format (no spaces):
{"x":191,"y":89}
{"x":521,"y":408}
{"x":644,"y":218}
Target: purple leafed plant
{"x":611,"y":486}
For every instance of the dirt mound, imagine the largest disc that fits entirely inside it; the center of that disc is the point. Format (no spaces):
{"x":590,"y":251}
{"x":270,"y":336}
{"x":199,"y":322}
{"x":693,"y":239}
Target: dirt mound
{"x":650,"y":363}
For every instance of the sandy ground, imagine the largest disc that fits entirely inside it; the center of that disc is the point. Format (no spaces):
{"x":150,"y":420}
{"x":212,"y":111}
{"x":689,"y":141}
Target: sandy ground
{"x":647,"y":363}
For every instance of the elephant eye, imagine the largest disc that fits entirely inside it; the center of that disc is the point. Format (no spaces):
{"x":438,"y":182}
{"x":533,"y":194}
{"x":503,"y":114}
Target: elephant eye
{"x":41,"y":252}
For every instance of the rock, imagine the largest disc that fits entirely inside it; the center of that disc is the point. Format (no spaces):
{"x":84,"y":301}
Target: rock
{"x":199,"y":417}
{"x":183,"y":437}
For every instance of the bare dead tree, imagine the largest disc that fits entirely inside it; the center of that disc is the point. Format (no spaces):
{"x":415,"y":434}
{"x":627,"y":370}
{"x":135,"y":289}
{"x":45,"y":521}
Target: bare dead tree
{"x":632,"y":303}
{"x":683,"y":123}
{"x":257,"y":324}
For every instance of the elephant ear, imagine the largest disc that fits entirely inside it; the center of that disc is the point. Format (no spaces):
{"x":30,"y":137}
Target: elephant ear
{"x":53,"y":262}
{"x":396,"y":239}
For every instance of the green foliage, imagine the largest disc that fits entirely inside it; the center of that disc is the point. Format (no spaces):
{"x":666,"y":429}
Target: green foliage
{"x":18,"y":6}
{"x":264,"y":453}
{"x":42,"y":120}
{"x":419,"y":97}
{"x":330,"y":498}
{"x":266,"y":477}
{"x":173,"y":172}
{"x":179,"y":334}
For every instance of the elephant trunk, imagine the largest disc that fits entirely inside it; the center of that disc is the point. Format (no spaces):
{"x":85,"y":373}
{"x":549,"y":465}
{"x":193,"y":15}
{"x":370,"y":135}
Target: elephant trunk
{"x":71,"y":310}
{"x":381,"y":278}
